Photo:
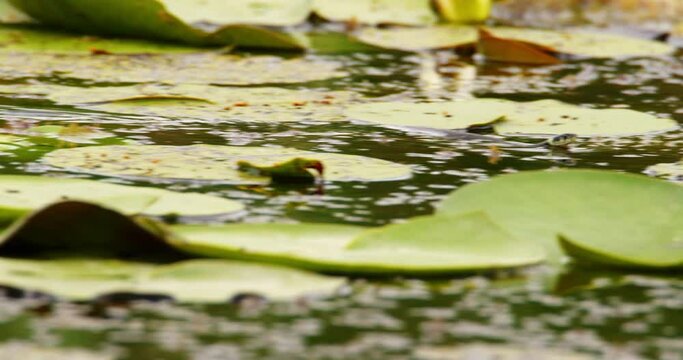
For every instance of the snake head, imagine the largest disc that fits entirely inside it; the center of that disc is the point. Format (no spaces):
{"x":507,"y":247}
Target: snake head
{"x":562,"y":140}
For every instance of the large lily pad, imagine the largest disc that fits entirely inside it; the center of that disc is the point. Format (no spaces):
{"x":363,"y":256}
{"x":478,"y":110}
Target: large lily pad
{"x":438,"y":115}
{"x":152,"y":19}
{"x":20,"y":194}
{"x":214,"y":163}
{"x":421,"y":246}
{"x":208,"y":281}
{"x":412,"y":39}
{"x":513,"y":118}
{"x":198,"y":101}
{"x":205,"y":68}
{"x":373,"y":12}
{"x":591,"y":44}
{"x":618,"y":218}
{"x":255,"y":12}
{"x":33,"y":39}
{"x":555,"y":117}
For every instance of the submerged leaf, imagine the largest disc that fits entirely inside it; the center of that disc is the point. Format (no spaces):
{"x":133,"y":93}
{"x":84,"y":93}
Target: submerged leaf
{"x":373,"y":12}
{"x":619,"y":218}
{"x":202,"y":281}
{"x":413,"y":39}
{"x":214,"y":163}
{"x":422,"y":246}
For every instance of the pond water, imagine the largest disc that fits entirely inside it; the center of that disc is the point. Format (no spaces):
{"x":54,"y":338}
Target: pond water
{"x":576,"y":312}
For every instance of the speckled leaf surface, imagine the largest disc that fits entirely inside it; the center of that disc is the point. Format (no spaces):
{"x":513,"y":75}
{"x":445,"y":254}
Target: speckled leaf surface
{"x":214,"y":163}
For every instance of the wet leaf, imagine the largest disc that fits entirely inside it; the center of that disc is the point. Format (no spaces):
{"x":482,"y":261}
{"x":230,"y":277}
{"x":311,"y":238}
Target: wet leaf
{"x":580,"y":43}
{"x":617,"y":218}
{"x":413,"y":39}
{"x":513,"y":51}
{"x":70,"y":228}
{"x":437,"y":115}
{"x":205,"y":68}
{"x":548,"y":117}
{"x":172,"y":20}
{"x":197,"y":101}
{"x":554,"y":117}
{"x":373,"y":12}
{"x":34,"y":39}
{"x":20,"y":194}
{"x":422,"y":246}
{"x":214,"y":163}
{"x":201,"y":281}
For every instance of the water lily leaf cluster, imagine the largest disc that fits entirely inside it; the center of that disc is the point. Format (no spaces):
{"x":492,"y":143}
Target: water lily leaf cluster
{"x":215,"y":163}
{"x":267,"y":24}
{"x":602,"y":217}
{"x":511,"y":118}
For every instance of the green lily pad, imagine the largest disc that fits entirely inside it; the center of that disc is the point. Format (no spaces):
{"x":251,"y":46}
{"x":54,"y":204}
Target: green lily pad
{"x":422,"y":246}
{"x":198,"y":101}
{"x":20,"y":194}
{"x":373,"y":12}
{"x":164,"y":20}
{"x":33,"y":39}
{"x":554,"y":117}
{"x":591,"y":44}
{"x":413,"y":39}
{"x":77,"y":228}
{"x":202,"y":281}
{"x":213,"y":163}
{"x":207,"y":68}
{"x":619,"y":218}
{"x":438,"y":115}
{"x":512,"y":118}
{"x":254,"y":12}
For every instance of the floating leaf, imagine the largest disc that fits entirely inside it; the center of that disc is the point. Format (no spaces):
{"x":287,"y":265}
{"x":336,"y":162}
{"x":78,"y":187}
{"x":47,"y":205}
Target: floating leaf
{"x":412,"y":39}
{"x":214,"y":163}
{"x":164,"y":20}
{"x":590,"y":44}
{"x":421,"y":246}
{"x":20,"y":194}
{"x":197,"y":101}
{"x":255,"y":12}
{"x":204,"y":68}
{"x":206,"y":281}
{"x":438,"y":115}
{"x":670,"y":170}
{"x":81,"y":228}
{"x":373,"y":12}
{"x":620,"y":218}
{"x":514,"y":51}
{"x":33,"y":39}
{"x":554,"y":117}
{"x":464,"y":11}
{"x":512,"y":118}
